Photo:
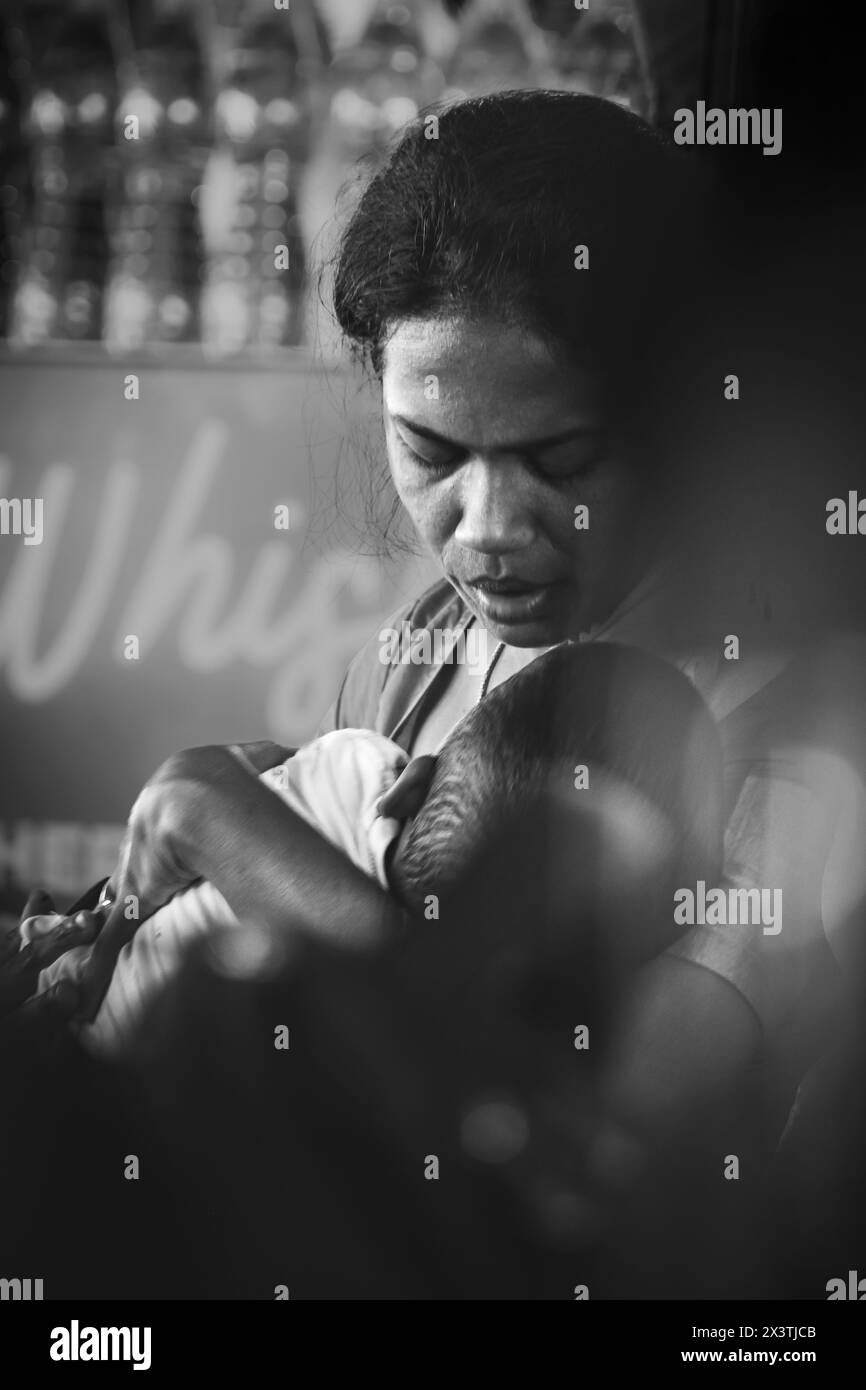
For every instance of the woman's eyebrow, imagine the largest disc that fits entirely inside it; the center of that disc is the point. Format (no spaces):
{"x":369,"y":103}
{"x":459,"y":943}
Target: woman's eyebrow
{"x":525,"y":444}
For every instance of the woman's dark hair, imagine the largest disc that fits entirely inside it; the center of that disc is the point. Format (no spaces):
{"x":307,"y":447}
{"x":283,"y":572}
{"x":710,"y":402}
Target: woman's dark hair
{"x":480,"y":210}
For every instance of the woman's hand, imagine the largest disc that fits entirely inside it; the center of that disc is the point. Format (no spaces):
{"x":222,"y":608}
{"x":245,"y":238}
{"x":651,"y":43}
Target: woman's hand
{"x":160,"y":851}
{"x":205,"y":814}
{"x":47,"y":935}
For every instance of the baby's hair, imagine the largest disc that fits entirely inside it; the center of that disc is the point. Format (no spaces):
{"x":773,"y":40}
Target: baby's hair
{"x":610,"y":708}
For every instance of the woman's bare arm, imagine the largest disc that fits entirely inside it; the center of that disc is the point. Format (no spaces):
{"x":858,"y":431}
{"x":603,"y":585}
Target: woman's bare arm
{"x":686,"y":1037}
{"x":272,"y":867}
{"x":205,"y":814}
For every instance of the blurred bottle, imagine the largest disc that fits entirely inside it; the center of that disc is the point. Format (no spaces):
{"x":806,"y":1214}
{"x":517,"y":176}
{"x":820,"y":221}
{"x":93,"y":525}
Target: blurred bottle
{"x":254,"y":295}
{"x":597,"y":55}
{"x":491,"y":56}
{"x":556,"y":17}
{"x":375,"y":85}
{"x":379,"y":85}
{"x":67,"y":121}
{"x":14,"y":181}
{"x":162,"y":125}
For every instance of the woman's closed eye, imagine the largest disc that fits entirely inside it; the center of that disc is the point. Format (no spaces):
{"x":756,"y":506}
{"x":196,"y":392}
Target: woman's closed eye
{"x":563,"y":460}
{"x":572,"y":458}
{"x":432,"y":456}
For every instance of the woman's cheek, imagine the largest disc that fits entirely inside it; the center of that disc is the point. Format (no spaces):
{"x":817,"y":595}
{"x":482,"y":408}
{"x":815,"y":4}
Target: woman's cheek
{"x":433,"y":511}
{"x":611,"y":496}
{"x":585,"y":512}
{"x":597,"y":525}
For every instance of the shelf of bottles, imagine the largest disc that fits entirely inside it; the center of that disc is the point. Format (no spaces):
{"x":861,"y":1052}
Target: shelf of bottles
{"x":154,"y":154}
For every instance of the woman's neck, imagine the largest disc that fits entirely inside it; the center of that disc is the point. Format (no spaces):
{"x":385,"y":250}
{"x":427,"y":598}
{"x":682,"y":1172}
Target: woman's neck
{"x":506,"y":661}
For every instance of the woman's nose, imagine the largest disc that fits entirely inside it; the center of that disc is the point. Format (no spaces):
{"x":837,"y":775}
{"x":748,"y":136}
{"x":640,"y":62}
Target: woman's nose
{"x":494,"y":513}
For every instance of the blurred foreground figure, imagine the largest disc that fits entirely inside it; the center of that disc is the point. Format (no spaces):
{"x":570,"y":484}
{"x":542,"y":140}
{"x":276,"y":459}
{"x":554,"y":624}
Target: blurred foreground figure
{"x":472,"y":1044}
{"x":508,"y":1103}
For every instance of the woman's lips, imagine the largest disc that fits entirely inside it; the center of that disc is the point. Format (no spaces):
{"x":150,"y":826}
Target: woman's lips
{"x":509,"y":601}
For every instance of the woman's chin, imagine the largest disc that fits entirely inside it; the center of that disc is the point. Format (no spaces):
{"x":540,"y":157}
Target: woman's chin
{"x":519,"y":634}
{"x":541,"y":622}
{"x":527,"y":632}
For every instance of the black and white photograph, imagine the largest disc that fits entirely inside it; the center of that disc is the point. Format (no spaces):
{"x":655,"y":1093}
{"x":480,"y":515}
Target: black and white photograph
{"x":432,"y":670}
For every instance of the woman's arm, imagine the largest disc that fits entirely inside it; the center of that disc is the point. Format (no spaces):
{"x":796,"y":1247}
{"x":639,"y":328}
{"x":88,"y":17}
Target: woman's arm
{"x":701,"y":1015}
{"x":204,"y":814}
{"x":685,"y":1037}
{"x":274,"y":868}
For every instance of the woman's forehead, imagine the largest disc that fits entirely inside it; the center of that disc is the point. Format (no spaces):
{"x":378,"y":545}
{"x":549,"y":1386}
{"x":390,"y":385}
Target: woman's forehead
{"x":471,"y":374}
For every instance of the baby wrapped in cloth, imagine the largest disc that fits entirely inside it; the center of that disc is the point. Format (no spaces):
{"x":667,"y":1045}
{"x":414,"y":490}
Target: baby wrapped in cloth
{"x":654,"y":763}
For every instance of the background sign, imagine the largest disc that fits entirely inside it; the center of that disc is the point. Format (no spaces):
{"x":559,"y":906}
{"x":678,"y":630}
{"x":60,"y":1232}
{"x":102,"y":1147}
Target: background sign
{"x":162,"y":522}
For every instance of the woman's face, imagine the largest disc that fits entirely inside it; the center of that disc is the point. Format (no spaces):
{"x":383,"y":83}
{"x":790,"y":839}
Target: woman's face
{"x":494,"y":446}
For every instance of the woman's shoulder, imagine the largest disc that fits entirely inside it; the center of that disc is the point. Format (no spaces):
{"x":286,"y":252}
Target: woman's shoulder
{"x":361,"y":702}
{"x":438,"y":608}
{"x":815,"y":696}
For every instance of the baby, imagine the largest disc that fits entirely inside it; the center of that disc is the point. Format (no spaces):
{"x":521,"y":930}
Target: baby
{"x":587,"y":728}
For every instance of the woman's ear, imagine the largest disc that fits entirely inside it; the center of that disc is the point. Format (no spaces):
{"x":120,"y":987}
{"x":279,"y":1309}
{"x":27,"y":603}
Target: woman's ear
{"x":408,"y":793}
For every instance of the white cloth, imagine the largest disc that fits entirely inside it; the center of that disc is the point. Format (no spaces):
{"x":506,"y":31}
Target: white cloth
{"x":334,"y":784}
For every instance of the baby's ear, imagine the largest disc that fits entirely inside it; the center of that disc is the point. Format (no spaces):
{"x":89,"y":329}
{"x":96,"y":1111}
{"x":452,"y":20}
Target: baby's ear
{"x":408,"y":793}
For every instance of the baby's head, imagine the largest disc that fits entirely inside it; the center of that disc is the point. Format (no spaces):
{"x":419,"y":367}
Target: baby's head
{"x":588,"y":726}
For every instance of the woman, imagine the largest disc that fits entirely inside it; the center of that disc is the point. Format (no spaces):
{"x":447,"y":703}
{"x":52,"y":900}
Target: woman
{"x":502,"y":276}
